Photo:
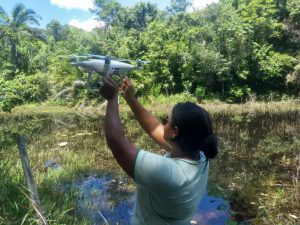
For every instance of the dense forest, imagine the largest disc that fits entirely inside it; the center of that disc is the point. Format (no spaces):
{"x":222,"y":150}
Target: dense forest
{"x":233,"y":50}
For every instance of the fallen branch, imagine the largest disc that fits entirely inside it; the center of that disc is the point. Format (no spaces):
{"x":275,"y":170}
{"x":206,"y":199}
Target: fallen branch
{"x":34,"y":197}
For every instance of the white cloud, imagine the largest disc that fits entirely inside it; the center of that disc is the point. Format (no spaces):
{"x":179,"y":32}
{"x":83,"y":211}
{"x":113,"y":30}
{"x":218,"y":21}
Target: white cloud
{"x":73,"y":4}
{"x":87,"y":25}
{"x":200,"y":4}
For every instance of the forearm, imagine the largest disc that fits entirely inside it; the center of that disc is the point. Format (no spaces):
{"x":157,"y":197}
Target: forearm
{"x":123,"y":151}
{"x":113,"y":127}
{"x":145,"y":118}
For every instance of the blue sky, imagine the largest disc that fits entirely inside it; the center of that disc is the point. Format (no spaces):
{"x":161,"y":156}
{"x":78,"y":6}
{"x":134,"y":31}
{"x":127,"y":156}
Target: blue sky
{"x":75,"y":12}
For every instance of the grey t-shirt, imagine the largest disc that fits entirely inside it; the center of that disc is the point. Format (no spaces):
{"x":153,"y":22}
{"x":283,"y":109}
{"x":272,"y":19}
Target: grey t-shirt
{"x":169,"y":190}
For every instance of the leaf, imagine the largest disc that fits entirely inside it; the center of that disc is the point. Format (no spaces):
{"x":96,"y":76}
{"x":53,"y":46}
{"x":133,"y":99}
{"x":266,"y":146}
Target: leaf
{"x":293,"y":216}
{"x":220,"y":189}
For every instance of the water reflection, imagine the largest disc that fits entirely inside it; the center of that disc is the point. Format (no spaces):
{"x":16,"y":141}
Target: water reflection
{"x":105,"y":200}
{"x":212,"y":211}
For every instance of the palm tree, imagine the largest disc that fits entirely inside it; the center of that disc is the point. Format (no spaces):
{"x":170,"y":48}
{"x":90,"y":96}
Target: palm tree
{"x":17,"y":25}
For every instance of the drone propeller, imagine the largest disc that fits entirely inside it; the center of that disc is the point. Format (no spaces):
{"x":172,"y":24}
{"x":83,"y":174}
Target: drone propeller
{"x":144,"y":62}
{"x":76,"y":58}
{"x":141,"y":62}
{"x":92,"y":56}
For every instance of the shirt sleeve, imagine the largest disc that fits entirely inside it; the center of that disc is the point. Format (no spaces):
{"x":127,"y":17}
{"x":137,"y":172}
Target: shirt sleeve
{"x":152,"y":171}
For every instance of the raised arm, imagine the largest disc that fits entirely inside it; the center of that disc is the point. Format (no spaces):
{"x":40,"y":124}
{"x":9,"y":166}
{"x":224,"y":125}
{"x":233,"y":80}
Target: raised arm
{"x":147,"y":120}
{"x":123,"y":151}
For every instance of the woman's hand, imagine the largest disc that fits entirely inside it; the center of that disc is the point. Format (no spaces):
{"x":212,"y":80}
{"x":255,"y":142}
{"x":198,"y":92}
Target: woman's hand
{"x":126,"y":88}
{"x":108,"y":88}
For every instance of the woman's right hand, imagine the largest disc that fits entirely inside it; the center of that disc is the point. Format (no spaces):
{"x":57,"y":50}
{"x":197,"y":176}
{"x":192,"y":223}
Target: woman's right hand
{"x":126,"y":88}
{"x":108,"y":88}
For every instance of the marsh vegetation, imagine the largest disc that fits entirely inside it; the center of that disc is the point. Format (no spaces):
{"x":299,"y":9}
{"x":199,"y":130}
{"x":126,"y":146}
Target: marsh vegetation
{"x":257,"y":169}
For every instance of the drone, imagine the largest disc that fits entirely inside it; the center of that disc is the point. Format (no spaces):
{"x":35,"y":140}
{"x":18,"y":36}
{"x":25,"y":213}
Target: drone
{"x":105,"y":65}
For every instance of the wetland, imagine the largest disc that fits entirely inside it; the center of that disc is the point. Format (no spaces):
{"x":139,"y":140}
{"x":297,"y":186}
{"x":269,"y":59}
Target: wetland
{"x":254,"y":180}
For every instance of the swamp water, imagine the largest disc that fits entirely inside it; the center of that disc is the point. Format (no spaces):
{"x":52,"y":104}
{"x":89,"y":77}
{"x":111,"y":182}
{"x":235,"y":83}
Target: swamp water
{"x":105,"y":200}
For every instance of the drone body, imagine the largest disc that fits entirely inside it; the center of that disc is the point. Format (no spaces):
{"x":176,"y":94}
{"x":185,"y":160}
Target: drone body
{"x":99,"y":66}
{"x":104,"y":65}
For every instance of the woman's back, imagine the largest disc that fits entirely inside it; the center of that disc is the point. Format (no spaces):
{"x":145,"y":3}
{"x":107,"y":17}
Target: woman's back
{"x":169,"y":190}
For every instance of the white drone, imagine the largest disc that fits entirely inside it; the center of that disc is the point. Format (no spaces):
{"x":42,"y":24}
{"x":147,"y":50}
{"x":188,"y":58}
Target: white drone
{"x":104,"y":65}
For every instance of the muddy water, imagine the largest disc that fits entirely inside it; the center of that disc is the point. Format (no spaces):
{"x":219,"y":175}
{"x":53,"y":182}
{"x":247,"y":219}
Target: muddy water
{"x":105,"y":200}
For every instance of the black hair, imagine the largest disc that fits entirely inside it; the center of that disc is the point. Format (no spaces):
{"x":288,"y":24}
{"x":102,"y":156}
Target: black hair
{"x":195,"y":131}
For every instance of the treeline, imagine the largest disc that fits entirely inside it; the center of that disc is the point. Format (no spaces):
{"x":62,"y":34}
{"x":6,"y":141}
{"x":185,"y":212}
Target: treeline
{"x":232,"y":50}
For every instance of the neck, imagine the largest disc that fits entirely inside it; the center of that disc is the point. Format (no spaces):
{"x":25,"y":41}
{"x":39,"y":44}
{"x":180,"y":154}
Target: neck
{"x":176,"y":152}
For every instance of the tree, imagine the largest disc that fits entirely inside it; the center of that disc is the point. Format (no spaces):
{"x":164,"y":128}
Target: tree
{"x":261,"y":17}
{"x":178,"y":6}
{"x":293,"y":22}
{"x":140,"y":16}
{"x":55,"y":29}
{"x":108,"y":11}
{"x":17,"y":25}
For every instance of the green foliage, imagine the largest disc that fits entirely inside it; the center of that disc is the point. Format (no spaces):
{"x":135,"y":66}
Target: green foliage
{"x":260,"y":15}
{"x":169,"y":100}
{"x":10,"y":191}
{"x":139,"y":16}
{"x":223,"y":50}
{"x":272,"y":64}
{"x":178,"y":6}
{"x":293,"y":7}
{"x":108,"y":11}
{"x":23,"y":89}
{"x":54,"y":29}
{"x":200,"y":93}
{"x":12,"y":26}
{"x":238,"y":94}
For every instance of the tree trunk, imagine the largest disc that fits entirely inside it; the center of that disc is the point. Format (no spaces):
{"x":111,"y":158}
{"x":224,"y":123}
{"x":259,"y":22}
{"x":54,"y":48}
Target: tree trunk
{"x":14,"y":55}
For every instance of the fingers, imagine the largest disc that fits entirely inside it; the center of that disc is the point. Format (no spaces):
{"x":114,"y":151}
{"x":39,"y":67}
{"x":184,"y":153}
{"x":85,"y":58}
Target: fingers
{"x":109,"y":81}
{"x":108,"y":89}
{"x":122,"y":86}
{"x":125,"y":88}
{"x":125,"y":82}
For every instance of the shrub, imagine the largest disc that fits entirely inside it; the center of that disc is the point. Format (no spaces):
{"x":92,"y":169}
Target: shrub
{"x":23,"y":89}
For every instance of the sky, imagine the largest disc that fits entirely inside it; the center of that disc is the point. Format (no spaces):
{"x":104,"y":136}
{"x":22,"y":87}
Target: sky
{"x":76,"y":12}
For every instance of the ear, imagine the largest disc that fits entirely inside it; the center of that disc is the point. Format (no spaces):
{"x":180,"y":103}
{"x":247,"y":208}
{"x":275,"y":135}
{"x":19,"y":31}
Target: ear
{"x":175,"y":132}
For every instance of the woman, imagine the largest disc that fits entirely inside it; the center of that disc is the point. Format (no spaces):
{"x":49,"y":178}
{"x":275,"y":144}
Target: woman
{"x":169,"y":188}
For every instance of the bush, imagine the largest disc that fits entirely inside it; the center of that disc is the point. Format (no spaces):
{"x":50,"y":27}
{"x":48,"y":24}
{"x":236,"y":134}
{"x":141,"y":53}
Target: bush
{"x":238,"y":94}
{"x":168,"y":99}
{"x":23,"y":89}
{"x":200,"y":93}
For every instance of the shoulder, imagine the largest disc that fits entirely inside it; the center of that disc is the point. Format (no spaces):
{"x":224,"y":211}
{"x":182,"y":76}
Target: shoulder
{"x":153,"y":171}
{"x":151,"y":162}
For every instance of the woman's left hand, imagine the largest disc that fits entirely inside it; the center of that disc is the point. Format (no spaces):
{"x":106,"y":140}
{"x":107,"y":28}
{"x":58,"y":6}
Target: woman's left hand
{"x":108,"y":88}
